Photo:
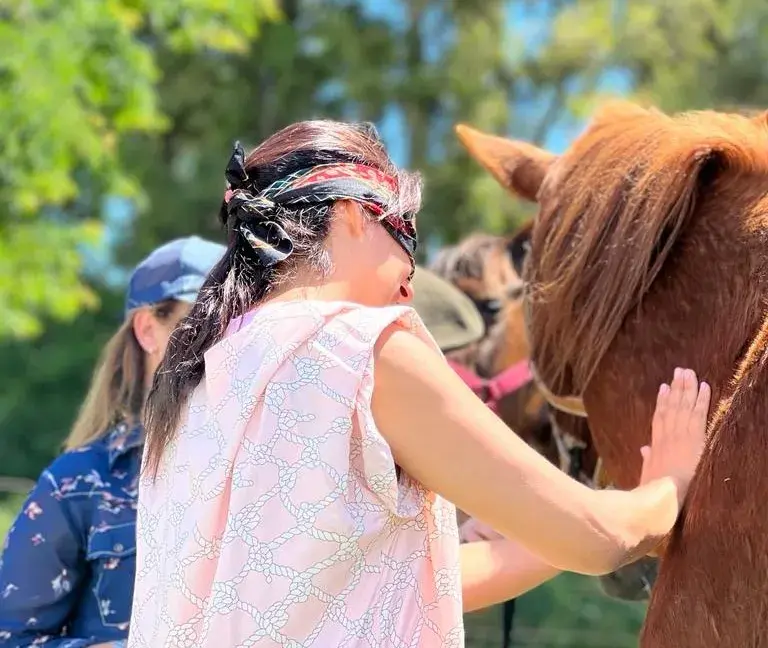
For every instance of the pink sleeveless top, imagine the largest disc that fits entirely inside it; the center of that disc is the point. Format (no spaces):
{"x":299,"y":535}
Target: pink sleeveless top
{"x":277,"y":518}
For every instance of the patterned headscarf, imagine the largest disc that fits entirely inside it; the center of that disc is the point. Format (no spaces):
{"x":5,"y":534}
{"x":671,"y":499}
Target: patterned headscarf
{"x":375,"y":190}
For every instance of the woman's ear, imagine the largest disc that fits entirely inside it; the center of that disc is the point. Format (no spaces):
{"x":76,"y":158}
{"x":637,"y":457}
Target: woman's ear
{"x":352,"y":217}
{"x":145,"y":330}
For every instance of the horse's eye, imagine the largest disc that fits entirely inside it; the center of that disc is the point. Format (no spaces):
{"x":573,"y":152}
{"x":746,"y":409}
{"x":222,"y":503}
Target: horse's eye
{"x":490,"y":306}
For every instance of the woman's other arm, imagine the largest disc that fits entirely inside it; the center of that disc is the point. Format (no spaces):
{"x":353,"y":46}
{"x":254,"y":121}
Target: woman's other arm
{"x":494,"y":571}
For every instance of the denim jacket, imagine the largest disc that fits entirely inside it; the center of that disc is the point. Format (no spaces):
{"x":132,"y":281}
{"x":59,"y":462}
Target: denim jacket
{"x":67,"y":570}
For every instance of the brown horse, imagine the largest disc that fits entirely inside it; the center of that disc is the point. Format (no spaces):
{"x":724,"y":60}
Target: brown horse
{"x":488,"y":269}
{"x":649,"y":252}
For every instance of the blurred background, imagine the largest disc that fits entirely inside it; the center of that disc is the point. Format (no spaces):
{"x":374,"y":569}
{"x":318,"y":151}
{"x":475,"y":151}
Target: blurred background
{"x":118,"y":116}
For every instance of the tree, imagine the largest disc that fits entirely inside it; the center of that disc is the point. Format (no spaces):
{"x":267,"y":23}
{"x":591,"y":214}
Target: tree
{"x":323,"y":59}
{"x":76,"y":79}
{"x":691,"y":54}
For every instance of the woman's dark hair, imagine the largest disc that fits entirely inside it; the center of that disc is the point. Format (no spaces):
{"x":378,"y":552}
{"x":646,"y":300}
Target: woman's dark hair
{"x":239,"y":281}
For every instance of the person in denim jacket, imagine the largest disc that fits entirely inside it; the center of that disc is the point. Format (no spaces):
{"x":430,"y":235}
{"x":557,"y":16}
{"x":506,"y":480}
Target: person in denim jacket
{"x":68,"y":567}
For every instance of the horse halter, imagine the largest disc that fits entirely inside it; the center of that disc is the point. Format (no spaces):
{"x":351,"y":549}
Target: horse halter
{"x":571,"y":453}
{"x":492,"y":390}
{"x":573,"y":405}
{"x":570,"y":449}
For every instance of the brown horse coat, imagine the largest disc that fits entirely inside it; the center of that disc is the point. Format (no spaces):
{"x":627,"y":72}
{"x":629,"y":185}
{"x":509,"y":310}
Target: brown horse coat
{"x":649,"y":252}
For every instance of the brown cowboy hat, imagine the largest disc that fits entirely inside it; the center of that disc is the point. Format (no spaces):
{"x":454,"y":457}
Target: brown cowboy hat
{"x":449,"y":315}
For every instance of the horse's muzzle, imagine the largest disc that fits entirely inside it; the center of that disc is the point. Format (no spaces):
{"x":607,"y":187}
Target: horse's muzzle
{"x":632,"y":582}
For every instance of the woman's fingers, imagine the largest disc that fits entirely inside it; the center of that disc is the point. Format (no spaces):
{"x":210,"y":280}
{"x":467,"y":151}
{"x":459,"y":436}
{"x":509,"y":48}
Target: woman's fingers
{"x":698,"y":420}
{"x":702,"y":401}
{"x":679,"y":428}
{"x":661,"y":411}
{"x":690,"y":390}
{"x":683,"y":401}
{"x":678,"y":401}
{"x":676,"y":390}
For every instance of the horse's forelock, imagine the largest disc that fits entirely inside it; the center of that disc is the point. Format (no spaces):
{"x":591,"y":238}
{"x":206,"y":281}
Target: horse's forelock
{"x":611,"y":211}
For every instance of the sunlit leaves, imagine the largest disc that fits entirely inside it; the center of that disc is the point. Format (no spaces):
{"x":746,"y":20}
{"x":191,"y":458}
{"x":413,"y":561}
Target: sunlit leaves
{"x":76,"y":79}
{"x":40,"y":272}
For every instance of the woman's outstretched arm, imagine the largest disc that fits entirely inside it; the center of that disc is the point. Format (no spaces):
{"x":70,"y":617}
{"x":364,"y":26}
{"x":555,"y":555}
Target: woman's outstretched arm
{"x":444,"y":436}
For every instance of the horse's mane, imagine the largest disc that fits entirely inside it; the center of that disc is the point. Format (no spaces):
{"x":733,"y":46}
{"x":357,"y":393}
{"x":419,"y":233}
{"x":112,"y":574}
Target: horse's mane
{"x":612,"y":209}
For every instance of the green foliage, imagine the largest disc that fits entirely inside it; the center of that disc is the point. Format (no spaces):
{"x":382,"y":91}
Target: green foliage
{"x":567,"y":612}
{"x":40,"y":264}
{"x":691,"y":54}
{"x":76,"y":78}
{"x":440,"y":64}
{"x":43,"y":383}
{"x":571,"y":612}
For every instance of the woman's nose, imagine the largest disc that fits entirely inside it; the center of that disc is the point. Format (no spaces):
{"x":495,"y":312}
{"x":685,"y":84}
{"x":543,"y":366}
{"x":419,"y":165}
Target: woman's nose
{"x":406,"y":293}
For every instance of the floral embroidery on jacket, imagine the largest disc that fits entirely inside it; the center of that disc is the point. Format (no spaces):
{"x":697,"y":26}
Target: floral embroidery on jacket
{"x":69,"y":561}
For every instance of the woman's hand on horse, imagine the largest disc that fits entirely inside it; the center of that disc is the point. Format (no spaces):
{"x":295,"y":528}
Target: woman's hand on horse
{"x":442,"y":435}
{"x":678,"y":431}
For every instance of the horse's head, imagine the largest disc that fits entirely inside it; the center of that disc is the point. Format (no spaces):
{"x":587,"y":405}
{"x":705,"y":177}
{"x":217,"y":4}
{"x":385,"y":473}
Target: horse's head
{"x":482,"y":267}
{"x":647,"y":253}
{"x":637,"y":203}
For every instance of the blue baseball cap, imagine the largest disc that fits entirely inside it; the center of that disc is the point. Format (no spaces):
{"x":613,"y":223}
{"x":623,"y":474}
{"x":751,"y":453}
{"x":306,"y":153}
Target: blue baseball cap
{"x":175,"y":270}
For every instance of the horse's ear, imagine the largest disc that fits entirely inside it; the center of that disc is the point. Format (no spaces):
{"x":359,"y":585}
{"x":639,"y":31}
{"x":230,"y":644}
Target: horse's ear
{"x":519,"y":245}
{"x":518,"y":166}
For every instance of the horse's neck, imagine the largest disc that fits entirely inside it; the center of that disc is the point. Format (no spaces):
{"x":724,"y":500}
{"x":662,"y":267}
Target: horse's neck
{"x":724,"y":528}
{"x":703,"y":312}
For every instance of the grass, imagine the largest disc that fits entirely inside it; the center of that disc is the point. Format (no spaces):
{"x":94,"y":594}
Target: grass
{"x":568,"y":612}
